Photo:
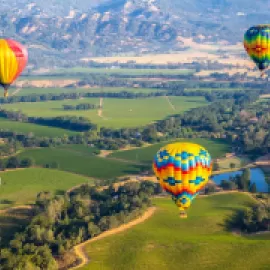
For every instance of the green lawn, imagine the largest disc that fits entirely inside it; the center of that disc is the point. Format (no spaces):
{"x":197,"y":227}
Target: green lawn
{"x":22,"y":186}
{"x":167,"y":242}
{"x":37,"y":130}
{"x":117,"y":113}
{"x":57,"y":91}
{"x":217,"y":148}
{"x":81,"y":162}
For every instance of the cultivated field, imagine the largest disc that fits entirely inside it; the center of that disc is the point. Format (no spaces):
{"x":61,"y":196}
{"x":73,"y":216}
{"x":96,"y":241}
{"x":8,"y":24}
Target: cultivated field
{"x":121,"y":71}
{"x":46,"y":81}
{"x":202,"y":241}
{"x":22,"y":186}
{"x":79,"y":148}
{"x":38,"y":130}
{"x":217,"y":148}
{"x":116,"y":113}
{"x":215,"y":89}
{"x":79,"y":162}
{"x":188,"y":56}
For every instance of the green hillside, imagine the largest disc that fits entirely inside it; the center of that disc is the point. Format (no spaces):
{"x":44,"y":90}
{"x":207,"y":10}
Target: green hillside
{"x":167,"y":242}
{"x":217,"y":148}
{"x":22,"y":186}
{"x":80,"y":162}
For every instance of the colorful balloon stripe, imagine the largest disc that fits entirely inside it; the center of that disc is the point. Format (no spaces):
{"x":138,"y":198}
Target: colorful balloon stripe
{"x":257,"y":45}
{"x":13,"y":59}
{"x":183,"y":170}
{"x":21,"y":55}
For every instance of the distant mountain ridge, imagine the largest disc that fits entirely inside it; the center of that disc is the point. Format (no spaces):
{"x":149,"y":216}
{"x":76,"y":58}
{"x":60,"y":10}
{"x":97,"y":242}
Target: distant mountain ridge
{"x":102,"y":28}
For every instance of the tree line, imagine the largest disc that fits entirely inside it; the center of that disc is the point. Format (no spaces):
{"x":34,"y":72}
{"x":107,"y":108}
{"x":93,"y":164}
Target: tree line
{"x":80,"y":107}
{"x":14,"y":162}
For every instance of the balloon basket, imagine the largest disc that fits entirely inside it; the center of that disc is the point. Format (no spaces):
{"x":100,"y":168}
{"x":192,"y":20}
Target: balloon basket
{"x":183,"y":215}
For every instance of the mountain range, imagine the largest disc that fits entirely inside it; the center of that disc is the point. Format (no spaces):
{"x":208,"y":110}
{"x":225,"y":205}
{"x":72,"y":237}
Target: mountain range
{"x":56,"y":28}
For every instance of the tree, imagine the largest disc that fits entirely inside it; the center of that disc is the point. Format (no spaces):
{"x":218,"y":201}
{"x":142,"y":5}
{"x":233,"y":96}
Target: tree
{"x":210,"y":188}
{"x":228,"y":185}
{"x":239,"y":180}
{"x":52,"y":165}
{"x":93,"y":230}
{"x":26,"y":162}
{"x":216,"y":166}
{"x":13,"y":162}
{"x":232,"y":165}
{"x":16,"y":244}
{"x":48,"y":235}
{"x":246,"y":175}
{"x":253,"y":188}
{"x":246,"y":179}
{"x":2,"y":165}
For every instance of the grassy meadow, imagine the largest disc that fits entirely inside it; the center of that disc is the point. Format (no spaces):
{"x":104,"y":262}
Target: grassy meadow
{"x":201,"y":241}
{"x":117,"y":113}
{"x":22,"y":186}
{"x":217,"y":148}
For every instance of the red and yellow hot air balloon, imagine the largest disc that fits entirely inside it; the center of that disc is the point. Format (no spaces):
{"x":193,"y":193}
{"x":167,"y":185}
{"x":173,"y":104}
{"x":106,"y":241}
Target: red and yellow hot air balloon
{"x":13,"y":59}
{"x":183,"y":170}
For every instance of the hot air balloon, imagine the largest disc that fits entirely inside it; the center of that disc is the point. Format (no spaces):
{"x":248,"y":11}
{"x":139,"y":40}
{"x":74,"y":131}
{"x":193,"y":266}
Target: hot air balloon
{"x":183,"y":170}
{"x":13,"y":59}
{"x":257,"y":45}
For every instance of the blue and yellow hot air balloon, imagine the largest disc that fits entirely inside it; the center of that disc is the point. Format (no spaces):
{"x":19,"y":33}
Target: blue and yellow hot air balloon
{"x":183,"y":169}
{"x":257,"y":45}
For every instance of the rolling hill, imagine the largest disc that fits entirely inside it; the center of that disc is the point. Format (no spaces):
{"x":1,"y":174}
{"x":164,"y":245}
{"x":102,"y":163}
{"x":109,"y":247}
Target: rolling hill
{"x":167,"y":242}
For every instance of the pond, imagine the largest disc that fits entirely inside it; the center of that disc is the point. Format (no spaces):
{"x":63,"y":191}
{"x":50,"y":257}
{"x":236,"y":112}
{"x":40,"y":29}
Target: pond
{"x":257,"y":176}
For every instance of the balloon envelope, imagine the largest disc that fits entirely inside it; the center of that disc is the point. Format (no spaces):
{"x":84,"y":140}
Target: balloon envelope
{"x":257,"y":45}
{"x":183,"y":169}
{"x":13,"y":59}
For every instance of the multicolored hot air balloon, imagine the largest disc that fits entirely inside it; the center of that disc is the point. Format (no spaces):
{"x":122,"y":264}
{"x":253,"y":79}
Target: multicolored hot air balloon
{"x":13,"y":59}
{"x":257,"y":45}
{"x":183,"y":170}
